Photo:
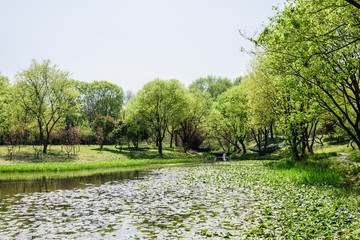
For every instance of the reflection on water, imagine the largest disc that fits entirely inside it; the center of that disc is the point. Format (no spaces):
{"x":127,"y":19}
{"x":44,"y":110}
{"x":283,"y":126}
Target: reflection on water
{"x":9,"y":188}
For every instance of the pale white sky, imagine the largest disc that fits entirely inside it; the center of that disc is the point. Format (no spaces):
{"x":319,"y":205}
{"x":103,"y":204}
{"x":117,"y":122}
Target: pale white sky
{"x":131,"y":42}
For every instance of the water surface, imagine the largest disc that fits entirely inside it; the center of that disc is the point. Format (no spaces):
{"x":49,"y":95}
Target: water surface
{"x":202,"y":202}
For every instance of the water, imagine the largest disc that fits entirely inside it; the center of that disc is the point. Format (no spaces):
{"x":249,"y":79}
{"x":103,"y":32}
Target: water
{"x":12,"y":187}
{"x":202,"y":202}
{"x":127,"y":205}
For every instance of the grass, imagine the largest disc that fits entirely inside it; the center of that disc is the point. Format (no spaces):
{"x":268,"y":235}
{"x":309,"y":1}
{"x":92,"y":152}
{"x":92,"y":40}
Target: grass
{"x":75,"y":166}
{"x":87,"y":153}
{"x":89,"y":157}
{"x":82,"y":173}
{"x":323,"y":167}
{"x":333,"y":146}
{"x":305,"y":174}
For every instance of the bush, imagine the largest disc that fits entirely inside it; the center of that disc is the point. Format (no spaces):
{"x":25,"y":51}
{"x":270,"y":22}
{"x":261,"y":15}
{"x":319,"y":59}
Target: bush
{"x":355,"y":157}
{"x":87,"y":137}
{"x":208,"y":157}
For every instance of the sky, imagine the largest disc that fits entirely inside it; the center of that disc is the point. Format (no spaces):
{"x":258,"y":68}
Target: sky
{"x":131,"y":42}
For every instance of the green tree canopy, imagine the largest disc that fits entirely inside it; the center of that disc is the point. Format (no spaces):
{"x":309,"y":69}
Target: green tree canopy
{"x":47,"y":94}
{"x":105,"y":124}
{"x":192,"y":119}
{"x":159,"y":103}
{"x":5,"y":97}
{"x":100,"y":97}
{"x":317,"y":43}
{"x":228,"y":118}
{"x":212,"y":85}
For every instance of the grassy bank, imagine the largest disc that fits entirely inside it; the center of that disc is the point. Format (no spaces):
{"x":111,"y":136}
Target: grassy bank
{"x":74,"y":166}
{"x":88,"y":153}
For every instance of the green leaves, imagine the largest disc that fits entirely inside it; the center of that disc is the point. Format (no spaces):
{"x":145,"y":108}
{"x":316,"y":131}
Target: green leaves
{"x":229,"y":116}
{"x":100,"y":97}
{"x":159,"y":103}
{"x":211,"y":85}
{"x":47,"y":95}
{"x":309,"y":53}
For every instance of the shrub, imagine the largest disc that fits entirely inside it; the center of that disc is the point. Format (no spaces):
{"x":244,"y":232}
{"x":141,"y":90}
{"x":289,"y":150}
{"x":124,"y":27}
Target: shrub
{"x":208,"y":157}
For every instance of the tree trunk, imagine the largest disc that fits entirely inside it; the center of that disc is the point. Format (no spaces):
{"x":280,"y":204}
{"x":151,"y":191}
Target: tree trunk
{"x":160,"y":147}
{"x":295,"y":152}
{"x":257,"y":138}
{"x":45,"y":147}
{"x":243,"y":146}
{"x":171,"y":138}
{"x":176,"y":140}
{"x":136,"y":145}
{"x":265,"y":133}
{"x":294,"y":145}
{"x":185,"y":149}
{"x":304,"y":141}
{"x":312,"y":134}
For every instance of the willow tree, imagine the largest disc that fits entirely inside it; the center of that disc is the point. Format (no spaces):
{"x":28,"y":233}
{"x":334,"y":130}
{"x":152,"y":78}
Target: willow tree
{"x":229,"y":117}
{"x":159,"y":103}
{"x":47,"y":94}
{"x":192,"y":119}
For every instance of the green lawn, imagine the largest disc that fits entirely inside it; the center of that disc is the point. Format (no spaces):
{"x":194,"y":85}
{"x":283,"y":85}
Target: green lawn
{"x":89,"y":157}
{"x":87,"y":153}
{"x":73,"y":166}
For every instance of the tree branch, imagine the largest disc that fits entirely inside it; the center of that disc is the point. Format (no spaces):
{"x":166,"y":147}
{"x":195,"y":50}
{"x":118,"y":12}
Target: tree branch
{"x":354,"y":3}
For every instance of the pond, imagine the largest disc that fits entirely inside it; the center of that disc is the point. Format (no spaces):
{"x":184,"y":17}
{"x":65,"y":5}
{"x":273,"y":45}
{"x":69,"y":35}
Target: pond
{"x":199,"y":202}
{"x":40,"y":183}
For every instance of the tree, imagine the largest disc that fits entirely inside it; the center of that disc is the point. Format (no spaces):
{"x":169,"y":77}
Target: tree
{"x":5,"y":103}
{"x":212,"y":85}
{"x":12,"y":141}
{"x":103,"y":126}
{"x":134,"y":129}
{"x":355,"y":3}
{"x":100,"y":97}
{"x":228,"y":118}
{"x":317,"y":42}
{"x":128,"y":95}
{"x":158,"y":103}
{"x":196,"y":109}
{"x":282,"y":100}
{"x":238,"y":80}
{"x":46,"y":93}
{"x":261,"y":97}
{"x":71,"y":140}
